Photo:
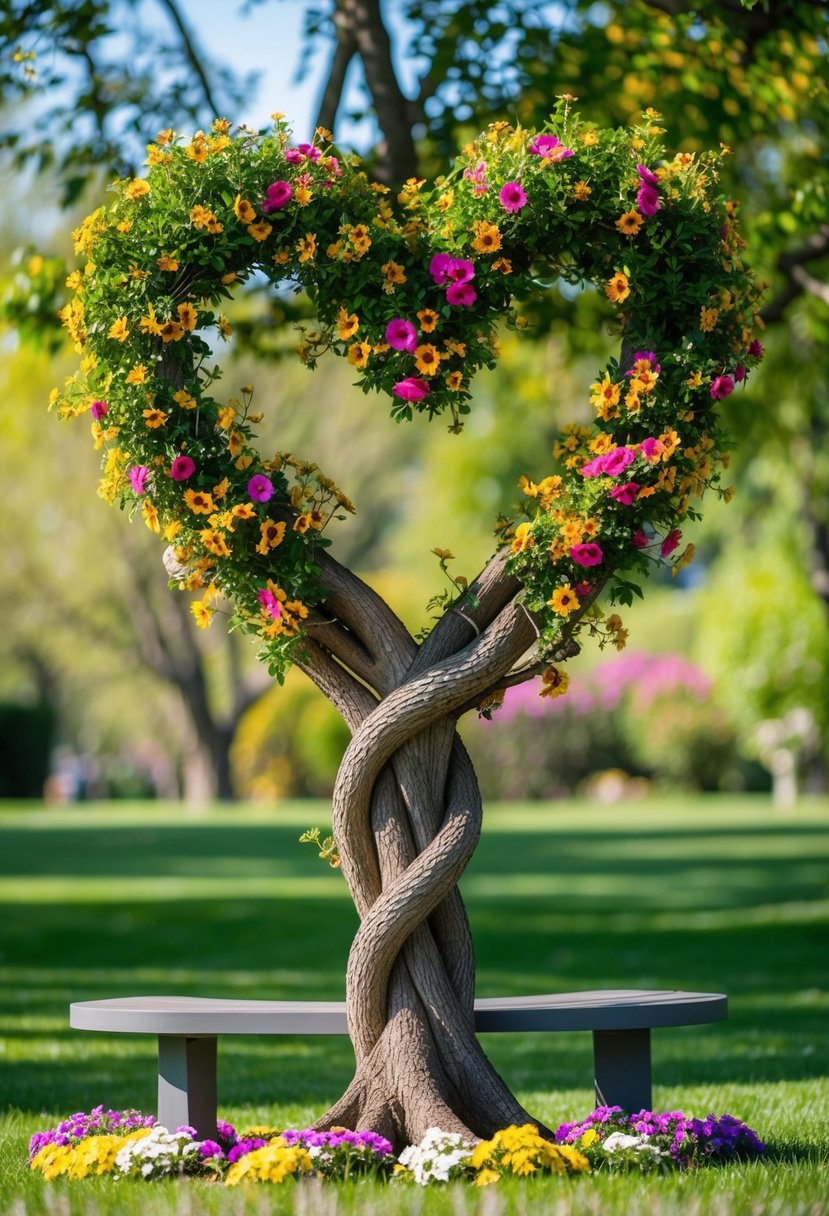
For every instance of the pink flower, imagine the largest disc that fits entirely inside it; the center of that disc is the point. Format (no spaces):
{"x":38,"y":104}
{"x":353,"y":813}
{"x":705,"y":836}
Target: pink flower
{"x":639,"y":540}
{"x":593,"y":467}
{"x":589,"y":554}
{"x":756,"y":349}
{"x":411,"y":389}
{"x":739,"y":373}
{"x":651,"y":358}
{"x":182,"y":468}
{"x":293,"y":156}
{"x":309,"y":151}
{"x":401,"y":334}
{"x":651,"y":449}
{"x":260,"y":487}
{"x":670,"y":542}
{"x":457,"y":270}
{"x":550,"y":147}
{"x":269,"y":603}
{"x":478,"y":174}
{"x":647,"y":175}
{"x":463,"y":294}
{"x":617,"y":461}
{"x":277,"y":196}
{"x":138,"y":478}
{"x":98,"y":409}
{"x":582,"y":590}
{"x":647,"y":199}
{"x":512,"y":196}
{"x":721,"y":387}
{"x":625,"y":494}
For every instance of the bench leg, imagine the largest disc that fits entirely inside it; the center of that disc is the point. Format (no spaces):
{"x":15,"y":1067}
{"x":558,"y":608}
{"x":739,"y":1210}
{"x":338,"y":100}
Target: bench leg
{"x":622,"y":1068}
{"x":187,"y":1083}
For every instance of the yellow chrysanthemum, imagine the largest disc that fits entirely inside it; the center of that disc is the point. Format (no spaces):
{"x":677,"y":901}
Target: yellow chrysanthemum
{"x":564,"y":600}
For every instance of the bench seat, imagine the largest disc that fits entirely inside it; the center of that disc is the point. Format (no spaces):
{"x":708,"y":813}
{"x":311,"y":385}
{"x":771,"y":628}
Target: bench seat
{"x":188,"y":1029}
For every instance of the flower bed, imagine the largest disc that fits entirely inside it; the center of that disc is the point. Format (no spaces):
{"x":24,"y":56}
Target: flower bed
{"x":127,"y":1144}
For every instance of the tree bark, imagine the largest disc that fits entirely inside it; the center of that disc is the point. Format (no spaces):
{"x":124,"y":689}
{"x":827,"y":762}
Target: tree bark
{"x":407,"y":817}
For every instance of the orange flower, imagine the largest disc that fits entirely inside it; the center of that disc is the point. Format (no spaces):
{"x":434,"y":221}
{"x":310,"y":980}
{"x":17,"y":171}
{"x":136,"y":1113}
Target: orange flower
{"x":154,"y":417}
{"x":617,"y":289}
{"x":629,"y":223}
{"x":243,"y":210}
{"x":271,"y":534}
{"x":564,"y":600}
{"x":427,"y":358}
{"x":199,"y":502}
{"x":187,"y":315}
{"x":428,"y":319}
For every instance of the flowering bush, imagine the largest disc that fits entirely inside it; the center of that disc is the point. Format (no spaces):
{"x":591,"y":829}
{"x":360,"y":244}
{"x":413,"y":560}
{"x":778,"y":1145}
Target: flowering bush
{"x":612,"y":1139}
{"x":410,"y":290}
{"x":607,"y":1138}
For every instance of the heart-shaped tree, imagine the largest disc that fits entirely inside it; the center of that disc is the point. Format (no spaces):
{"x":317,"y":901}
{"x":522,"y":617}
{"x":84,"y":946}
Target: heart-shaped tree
{"x":411,"y":289}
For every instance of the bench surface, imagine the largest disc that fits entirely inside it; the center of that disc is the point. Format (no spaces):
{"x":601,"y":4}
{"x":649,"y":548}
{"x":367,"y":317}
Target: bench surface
{"x":614,"y":1009}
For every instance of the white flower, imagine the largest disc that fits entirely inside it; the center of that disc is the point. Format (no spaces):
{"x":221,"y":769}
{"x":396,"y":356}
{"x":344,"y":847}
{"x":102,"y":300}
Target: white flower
{"x":160,"y":1153}
{"x":437,"y":1155}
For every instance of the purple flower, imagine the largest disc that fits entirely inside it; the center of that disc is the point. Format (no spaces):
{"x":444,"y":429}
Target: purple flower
{"x":626,"y":493}
{"x":182,"y":468}
{"x":593,"y":468}
{"x":616,"y":461}
{"x":550,"y":148}
{"x":439,"y":267}
{"x":244,"y":1147}
{"x":512,"y":196}
{"x":739,"y":373}
{"x":721,"y":387}
{"x":270,"y":603}
{"x":260,"y":487}
{"x":98,"y":409}
{"x":411,"y":389}
{"x":647,"y":175}
{"x":209,"y":1148}
{"x":401,"y":335}
{"x":277,"y":196}
{"x":138,"y":475}
{"x":462,"y":295}
{"x":650,"y":448}
{"x":651,"y":358}
{"x":756,"y":349}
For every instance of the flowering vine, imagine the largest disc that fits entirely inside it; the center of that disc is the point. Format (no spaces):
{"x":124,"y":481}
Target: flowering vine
{"x":411,"y":289}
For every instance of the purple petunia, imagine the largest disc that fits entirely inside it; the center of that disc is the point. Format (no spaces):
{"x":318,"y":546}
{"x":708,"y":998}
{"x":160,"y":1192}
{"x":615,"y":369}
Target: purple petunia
{"x":182,"y":468}
{"x":277,"y":196}
{"x":260,"y":488}
{"x":512,"y":197}
{"x":401,"y":335}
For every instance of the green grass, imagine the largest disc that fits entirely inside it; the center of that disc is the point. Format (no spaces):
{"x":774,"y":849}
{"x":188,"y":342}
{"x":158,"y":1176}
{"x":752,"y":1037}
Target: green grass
{"x":718,"y":894}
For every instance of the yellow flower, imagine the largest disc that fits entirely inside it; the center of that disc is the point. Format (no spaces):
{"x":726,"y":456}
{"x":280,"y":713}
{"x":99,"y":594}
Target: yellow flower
{"x":137,"y":375}
{"x":502,"y":265}
{"x":564,"y":600}
{"x":694,"y":380}
{"x":271,"y":534}
{"x":166,"y":263}
{"x":708,"y":319}
{"x":186,"y":400}
{"x":486,"y":1177}
{"x":347,"y":324}
{"x":629,"y":223}
{"x":119,"y":330}
{"x":148,"y":510}
{"x":229,"y":278}
{"x":226,"y":416}
{"x":214,"y":542}
{"x":244,"y":510}
{"x":196,"y":150}
{"x":604,"y":394}
{"x":306,"y":247}
{"x":221,"y":489}
{"x":523,"y":538}
{"x":393,"y":273}
{"x":427,"y":359}
{"x":157,"y":156}
{"x":149,"y":324}
{"x":428,"y":319}
{"x":454,"y":381}
{"x":137,"y":189}
{"x":188,"y":316}
{"x":243,"y":210}
{"x":202,"y":614}
{"x":260,"y":231}
{"x":487,"y":237}
{"x":165,"y":137}
{"x":358,"y":354}
{"x":199,"y":502}
{"x":225,"y":328}
{"x":589,"y":139}
{"x":617,"y":289}
{"x":581,"y":191}
{"x":554,"y":683}
{"x":171,"y":331}
{"x":154,"y":417}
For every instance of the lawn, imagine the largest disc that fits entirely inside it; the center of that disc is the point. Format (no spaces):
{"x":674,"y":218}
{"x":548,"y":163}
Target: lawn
{"x":715,"y":894}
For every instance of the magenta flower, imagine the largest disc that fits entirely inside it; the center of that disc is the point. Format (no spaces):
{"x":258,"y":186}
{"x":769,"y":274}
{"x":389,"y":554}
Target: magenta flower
{"x":478,"y":174}
{"x":651,"y":358}
{"x":670,"y":542}
{"x":439,"y":267}
{"x":401,"y":334}
{"x":182,"y":468}
{"x":756,"y":349}
{"x":739,"y":373}
{"x":411,"y":389}
{"x":309,"y":151}
{"x":593,"y":468}
{"x":98,"y":409}
{"x":647,"y":199}
{"x":460,"y":270}
{"x":138,"y":478}
{"x":260,"y":487}
{"x":277,"y":196}
{"x":721,"y":387}
{"x":270,"y":603}
{"x":550,"y":147}
{"x":617,"y":461}
{"x":639,"y":540}
{"x":589,"y":554}
{"x":462,"y":294}
{"x":650,"y":448}
{"x":512,"y":196}
{"x":626,"y":493}
{"x":647,"y":175}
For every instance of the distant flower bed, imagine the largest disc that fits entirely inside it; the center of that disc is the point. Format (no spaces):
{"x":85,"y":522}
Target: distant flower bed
{"x":127,"y":1144}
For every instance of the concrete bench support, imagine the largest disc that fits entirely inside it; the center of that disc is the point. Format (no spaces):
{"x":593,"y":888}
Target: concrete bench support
{"x":188,"y":1029}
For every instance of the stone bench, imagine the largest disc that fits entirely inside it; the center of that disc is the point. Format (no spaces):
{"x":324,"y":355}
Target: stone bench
{"x":621,"y":1021}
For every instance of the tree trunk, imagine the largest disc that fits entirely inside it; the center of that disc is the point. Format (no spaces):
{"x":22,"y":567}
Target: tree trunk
{"x":407,"y":817}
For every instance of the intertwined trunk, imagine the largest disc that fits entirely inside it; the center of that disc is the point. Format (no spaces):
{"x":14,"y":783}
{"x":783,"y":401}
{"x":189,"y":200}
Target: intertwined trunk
{"x":407,"y":817}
